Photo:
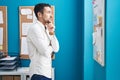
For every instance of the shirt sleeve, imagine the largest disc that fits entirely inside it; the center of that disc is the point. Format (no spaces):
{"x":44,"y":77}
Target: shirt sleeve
{"x":38,"y":41}
{"x":54,"y":43}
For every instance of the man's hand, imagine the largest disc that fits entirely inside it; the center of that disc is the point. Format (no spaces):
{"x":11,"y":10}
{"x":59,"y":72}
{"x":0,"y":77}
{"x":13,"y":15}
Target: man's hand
{"x":50,"y":28}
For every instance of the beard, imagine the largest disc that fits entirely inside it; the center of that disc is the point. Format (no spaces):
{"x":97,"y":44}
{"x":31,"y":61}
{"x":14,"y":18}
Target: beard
{"x":49,"y":20}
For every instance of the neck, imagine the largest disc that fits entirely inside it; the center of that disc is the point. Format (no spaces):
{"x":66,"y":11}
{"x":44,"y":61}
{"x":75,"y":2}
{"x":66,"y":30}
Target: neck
{"x":42,"y":21}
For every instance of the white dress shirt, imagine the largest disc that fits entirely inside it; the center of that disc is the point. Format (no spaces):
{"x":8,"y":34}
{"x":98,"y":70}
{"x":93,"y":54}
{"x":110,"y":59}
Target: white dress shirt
{"x":40,"y":50}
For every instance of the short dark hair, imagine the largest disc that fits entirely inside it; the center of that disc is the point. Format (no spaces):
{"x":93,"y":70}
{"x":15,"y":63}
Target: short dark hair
{"x":40,"y":7}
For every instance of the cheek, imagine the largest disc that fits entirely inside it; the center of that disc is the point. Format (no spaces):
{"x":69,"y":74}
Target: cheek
{"x":46,"y":16}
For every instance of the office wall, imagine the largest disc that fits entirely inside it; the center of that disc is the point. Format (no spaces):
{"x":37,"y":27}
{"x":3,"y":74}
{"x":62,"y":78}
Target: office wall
{"x":69,"y":60}
{"x":88,"y":49}
{"x":113,"y":40}
{"x":92,"y":70}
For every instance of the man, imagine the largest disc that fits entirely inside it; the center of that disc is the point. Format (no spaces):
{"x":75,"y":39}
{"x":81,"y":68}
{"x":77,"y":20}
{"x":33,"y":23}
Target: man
{"x":42,"y":42}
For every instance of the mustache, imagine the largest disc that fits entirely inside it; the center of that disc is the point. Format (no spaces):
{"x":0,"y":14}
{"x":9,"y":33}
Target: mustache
{"x":49,"y":21}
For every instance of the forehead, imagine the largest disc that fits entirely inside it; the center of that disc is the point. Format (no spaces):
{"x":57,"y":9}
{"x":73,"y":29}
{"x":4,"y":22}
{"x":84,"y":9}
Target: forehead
{"x":47,"y":9}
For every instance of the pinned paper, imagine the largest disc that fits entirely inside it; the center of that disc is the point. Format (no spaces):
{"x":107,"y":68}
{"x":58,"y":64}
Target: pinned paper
{"x":26,"y":11}
{"x":94,"y":38}
{"x":1,"y":36}
{"x":1,"y":47}
{"x":24,"y":48}
{"x":29,"y":17}
{"x":25,"y":27}
{"x":1,"y":17}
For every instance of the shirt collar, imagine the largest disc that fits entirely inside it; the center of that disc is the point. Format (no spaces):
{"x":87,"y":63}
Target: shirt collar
{"x":43,"y":27}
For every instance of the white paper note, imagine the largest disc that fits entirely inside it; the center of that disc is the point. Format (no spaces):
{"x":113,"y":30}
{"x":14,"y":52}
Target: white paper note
{"x":24,"y":48}
{"x":26,"y":11}
{"x":29,"y":17}
{"x":8,"y":58}
{"x":1,"y":47}
{"x":25,"y":27}
{"x":94,"y":38}
{"x":1,"y":17}
{"x":1,"y":36}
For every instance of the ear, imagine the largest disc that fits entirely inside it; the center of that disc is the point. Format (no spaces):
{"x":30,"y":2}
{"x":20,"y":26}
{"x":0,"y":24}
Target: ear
{"x":39,"y":14}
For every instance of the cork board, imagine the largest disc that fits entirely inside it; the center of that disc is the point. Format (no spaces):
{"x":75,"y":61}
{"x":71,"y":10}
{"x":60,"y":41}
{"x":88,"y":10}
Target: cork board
{"x":99,"y":31}
{"x":25,"y":17}
{"x":3,"y":29}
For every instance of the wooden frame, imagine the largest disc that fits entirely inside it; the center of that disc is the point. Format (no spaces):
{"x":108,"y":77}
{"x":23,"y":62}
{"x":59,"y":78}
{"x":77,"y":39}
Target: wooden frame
{"x":4,"y":47}
{"x":23,"y":19}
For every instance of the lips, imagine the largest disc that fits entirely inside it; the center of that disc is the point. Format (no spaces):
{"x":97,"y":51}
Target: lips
{"x":51,"y":28}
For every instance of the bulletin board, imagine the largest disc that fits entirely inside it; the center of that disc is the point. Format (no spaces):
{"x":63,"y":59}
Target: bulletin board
{"x":3,"y":29}
{"x":27,"y":17}
{"x":99,"y":31}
